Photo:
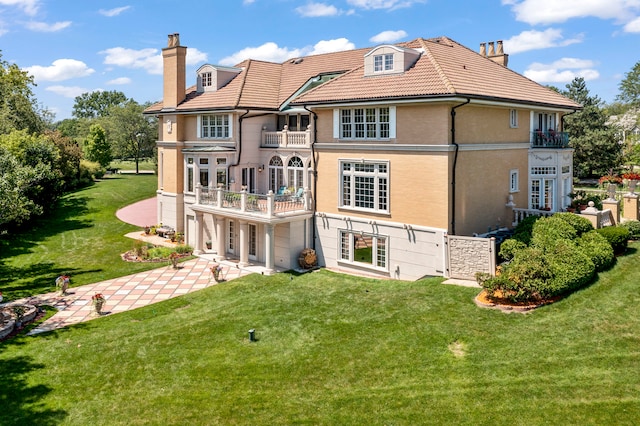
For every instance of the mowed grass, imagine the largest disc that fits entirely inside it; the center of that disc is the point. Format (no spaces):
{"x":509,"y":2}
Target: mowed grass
{"x":337,"y":350}
{"x":81,"y":237}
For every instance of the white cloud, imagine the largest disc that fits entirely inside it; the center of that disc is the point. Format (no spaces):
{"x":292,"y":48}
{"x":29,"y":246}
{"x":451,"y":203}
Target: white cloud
{"x":314,"y":10}
{"x":59,"y":70}
{"x":388,"y":36}
{"x":383,"y":4}
{"x":148,"y":59}
{"x":248,"y":2}
{"x":113,"y":12}
{"x":633,"y":26}
{"x":532,"y":40}
{"x":44,"y":27}
{"x":68,"y":91}
{"x":553,"y":11}
{"x":119,"y":81}
{"x":562,"y":71}
{"x":30,"y":7}
{"x":271,"y":52}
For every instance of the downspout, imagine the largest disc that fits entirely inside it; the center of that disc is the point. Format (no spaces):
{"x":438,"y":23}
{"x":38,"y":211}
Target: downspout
{"x":240,"y":138}
{"x":315,"y":176}
{"x":455,"y":162}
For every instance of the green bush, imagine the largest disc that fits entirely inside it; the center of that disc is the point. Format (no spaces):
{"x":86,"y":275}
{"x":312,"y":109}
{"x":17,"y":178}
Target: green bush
{"x":579,"y":223}
{"x":570,"y":267}
{"x":90,"y":170}
{"x":160,"y":252}
{"x":633,"y":226}
{"x":548,"y":231}
{"x":524,"y":229}
{"x":183,"y":249}
{"x":526,"y":274}
{"x":598,"y":249}
{"x":617,"y":236}
{"x":510,"y":247}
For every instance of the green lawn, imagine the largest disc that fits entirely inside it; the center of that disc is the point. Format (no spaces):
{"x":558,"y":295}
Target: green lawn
{"x":332,"y":349}
{"x":82,"y":238}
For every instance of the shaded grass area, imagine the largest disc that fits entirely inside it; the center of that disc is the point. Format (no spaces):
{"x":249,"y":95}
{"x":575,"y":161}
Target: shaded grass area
{"x":333,"y":349}
{"x":82,"y":237}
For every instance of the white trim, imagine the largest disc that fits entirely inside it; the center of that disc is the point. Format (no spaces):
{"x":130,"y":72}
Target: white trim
{"x":199,"y":128}
{"x":514,"y":187}
{"x":392,"y":122}
{"x":390,"y":146}
{"x":336,"y":123}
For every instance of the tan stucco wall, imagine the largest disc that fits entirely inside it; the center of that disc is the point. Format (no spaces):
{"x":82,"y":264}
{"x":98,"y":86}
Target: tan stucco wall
{"x":172,"y":169}
{"x":484,"y":124}
{"x":423,"y":124}
{"x":417,"y":186}
{"x":482,"y":188}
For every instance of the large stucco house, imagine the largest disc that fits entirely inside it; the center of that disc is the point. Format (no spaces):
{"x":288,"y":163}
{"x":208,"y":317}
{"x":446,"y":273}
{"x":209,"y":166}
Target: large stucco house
{"x":369,"y":156}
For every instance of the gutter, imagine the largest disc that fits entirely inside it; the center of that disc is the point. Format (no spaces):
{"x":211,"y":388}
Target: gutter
{"x":315,"y":175}
{"x":455,"y":162}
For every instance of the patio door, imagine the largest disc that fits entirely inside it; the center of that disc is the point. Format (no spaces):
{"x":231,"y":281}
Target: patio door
{"x":231,"y":237}
{"x":542,"y":193}
{"x":249,"y":179}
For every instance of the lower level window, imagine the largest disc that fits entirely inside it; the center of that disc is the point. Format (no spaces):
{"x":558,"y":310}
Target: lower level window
{"x":365,"y":248}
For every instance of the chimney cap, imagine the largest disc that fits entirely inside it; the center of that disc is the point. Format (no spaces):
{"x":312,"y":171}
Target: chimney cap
{"x":174,"y":40}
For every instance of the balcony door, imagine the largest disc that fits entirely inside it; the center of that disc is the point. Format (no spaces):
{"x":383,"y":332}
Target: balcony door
{"x":249,"y":179}
{"x":276,"y":174}
{"x":542,"y":193}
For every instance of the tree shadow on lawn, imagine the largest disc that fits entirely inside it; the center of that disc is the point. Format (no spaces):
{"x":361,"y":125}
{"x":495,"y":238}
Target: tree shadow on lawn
{"x":21,"y":401}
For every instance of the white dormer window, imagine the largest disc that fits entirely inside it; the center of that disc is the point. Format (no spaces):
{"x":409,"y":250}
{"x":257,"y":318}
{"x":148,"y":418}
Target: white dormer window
{"x":206,"y":79}
{"x":383,"y":62}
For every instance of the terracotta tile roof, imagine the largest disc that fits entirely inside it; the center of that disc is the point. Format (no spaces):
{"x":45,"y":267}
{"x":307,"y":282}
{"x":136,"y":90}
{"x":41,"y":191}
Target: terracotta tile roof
{"x":446,"y":68}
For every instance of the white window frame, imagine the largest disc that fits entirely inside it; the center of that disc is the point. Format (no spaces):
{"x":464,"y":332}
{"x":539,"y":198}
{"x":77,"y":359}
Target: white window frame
{"x":366,"y":123}
{"x":364,"y":185}
{"x":207,"y":79}
{"x":225,"y":128}
{"x":189,"y":175}
{"x":513,"y":118}
{"x":347,"y":241}
{"x":514,"y":180}
{"x":383,"y":62}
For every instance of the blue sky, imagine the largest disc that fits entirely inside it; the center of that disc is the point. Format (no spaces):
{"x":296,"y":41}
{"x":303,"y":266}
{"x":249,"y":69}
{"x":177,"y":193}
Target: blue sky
{"x":77,"y":46}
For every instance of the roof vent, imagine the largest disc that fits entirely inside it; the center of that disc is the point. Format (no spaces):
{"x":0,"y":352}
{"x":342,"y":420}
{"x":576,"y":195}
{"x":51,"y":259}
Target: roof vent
{"x":297,"y":60}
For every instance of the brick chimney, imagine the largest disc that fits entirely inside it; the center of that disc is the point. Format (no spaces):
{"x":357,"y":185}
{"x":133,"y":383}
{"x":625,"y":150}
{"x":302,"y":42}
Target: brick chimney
{"x":496,"y":52}
{"x":174,"y":65}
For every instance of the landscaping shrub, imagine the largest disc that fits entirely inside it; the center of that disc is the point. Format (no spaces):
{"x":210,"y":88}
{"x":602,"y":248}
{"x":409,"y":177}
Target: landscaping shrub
{"x":90,"y":170}
{"x":570,"y":268}
{"x":526,"y":274}
{"x":633,"y":226}
{"x":183,"y":249}
{"x":617,"y":236}
{"x":510,"y":247}
{"x":160,"y":252}
{"x":523,"y":230}
{"x":598,"y":249}
{"x":579,"y":223}
{"x":548,"y":231}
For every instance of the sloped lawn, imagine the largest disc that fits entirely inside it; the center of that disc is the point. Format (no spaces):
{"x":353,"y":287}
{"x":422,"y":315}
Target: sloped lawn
{"x":82,"y":238}
{"x":338,"y":350}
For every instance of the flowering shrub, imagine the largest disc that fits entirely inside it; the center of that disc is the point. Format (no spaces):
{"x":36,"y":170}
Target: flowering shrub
{"x":631,"y":176}
{"x":97,"y":298}
{"x":610,"y":179}
{"x":216,"y":270}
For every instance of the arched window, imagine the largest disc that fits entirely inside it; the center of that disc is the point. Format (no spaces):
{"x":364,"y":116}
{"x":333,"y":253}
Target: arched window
{"x":295,"y":173}
{"x":276,"y":174}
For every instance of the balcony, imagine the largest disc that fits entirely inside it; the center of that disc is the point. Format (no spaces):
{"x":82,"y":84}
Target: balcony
{"x":260,"y":207}
{"x":286,"y":139}
{"x":549,"y":139}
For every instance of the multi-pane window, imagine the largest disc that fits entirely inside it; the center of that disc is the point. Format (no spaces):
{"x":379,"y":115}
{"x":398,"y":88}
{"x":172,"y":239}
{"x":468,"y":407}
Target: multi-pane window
{"x":513,"y":118}
{"x":276,"y":174}
{"x":383,"y":62}
{"x":215,"y":126}
{"x":190,"y":173}
{"x":295,"y":171}
{"x":206,"y":79}
{"x":204,"y":171}
{"x":361,"y":247}
{"x":365,"y":123}
{"x":514,"y":181}
{"x":364,"y":186}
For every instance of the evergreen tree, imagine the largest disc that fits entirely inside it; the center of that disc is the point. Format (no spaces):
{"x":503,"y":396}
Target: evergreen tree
{"x":597,"y":150}
{"x":630,"y":87}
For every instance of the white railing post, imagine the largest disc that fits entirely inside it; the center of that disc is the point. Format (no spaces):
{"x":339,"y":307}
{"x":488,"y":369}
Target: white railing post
{"x":270,"y":203}
{"x":219,"y":197}
{"x":285,"y":135}
{"x":198,"y":192}
{"x":243,"y":200}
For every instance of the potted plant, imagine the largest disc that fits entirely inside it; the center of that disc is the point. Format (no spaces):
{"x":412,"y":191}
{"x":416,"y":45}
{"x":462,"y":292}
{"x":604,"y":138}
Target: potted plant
{"x":216,"y":272}
{"x":97,"y":300}
{"x":62,"y":283}
{"x":18,"y":312}
{"x":173,"y":257}
{"x":208,"y":244}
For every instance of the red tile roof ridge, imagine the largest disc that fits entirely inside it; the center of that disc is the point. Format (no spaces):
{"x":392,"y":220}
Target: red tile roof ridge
{"x":437,"y":66}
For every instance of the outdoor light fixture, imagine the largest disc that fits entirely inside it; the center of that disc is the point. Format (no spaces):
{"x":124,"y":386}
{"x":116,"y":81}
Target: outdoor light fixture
{"x":252,"y":335}
{"x":260,"y":168}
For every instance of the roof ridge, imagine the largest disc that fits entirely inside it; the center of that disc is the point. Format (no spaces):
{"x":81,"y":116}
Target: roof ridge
{"x":244,"y":80}
{"x":437,"y":66}
{"x":348,"y":72}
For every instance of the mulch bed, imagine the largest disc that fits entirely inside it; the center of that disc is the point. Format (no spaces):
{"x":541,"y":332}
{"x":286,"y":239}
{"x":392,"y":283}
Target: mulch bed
{"x":506,"y":305}
{"x":40,"y":313}
{"x":131,"y":256}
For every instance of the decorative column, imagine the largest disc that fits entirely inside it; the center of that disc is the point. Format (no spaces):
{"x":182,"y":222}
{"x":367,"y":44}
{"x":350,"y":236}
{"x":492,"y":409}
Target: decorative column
{"x":630,"y":199}
{"x":244,"y":243}
{"x":220,"y":237}
{"x":198,"y":240}
{"x":611,"y":203}
{"x":269,"y":242}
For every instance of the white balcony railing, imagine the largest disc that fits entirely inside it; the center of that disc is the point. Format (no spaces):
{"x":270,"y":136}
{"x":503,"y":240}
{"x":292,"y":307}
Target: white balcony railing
{"x":269,"y":205}
{"x":286,"y":139}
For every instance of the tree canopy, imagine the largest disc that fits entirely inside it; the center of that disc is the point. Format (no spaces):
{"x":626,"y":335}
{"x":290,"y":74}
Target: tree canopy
{"x":97,"y":104}
{"x":597,"y":150}
{"x":630,"y":87}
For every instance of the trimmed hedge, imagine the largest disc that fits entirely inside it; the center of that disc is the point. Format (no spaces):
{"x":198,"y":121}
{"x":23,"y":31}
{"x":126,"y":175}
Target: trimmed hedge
{"x":633,"y":226}
{"x":596,"y":246}
{"x":617,"y":236}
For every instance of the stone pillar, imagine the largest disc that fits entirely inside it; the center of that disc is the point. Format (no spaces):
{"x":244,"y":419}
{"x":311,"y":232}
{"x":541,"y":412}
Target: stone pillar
{"x":614,"y":206}
{"x":269,"y":246}
{"x":197,"y":249}
{"x":220,"y":238}
{"x":244,"y":243}
{"x":630,"y":210}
